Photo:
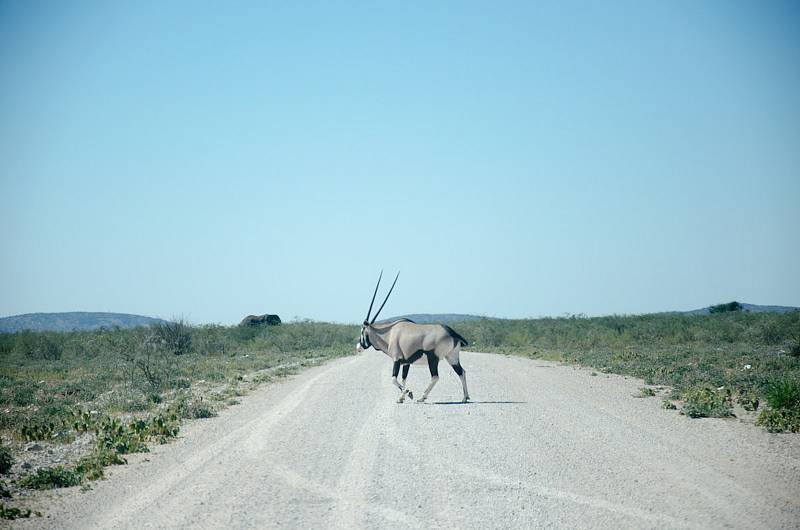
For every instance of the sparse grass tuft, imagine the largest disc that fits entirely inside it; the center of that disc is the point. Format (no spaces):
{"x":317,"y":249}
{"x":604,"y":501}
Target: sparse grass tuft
{"x":645,"y":392}
{"x":784,"y":394}
{"x":783,"y":413}
{"x":668,"y":405}
{"x":11,"y":512}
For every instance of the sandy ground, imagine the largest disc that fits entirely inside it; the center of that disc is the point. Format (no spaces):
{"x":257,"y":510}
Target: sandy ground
{"x":543,"y":445}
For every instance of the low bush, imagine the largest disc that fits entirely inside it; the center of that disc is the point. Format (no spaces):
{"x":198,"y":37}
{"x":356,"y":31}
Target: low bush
{"x":645,"y":392}
{"x":90,"y":467}
{"x":175,"y":335}
{"x":39,"y":431}
{"x":122,"y":438}
{"x":748,"y":399}
{"x":48,"y":478}
{"x":706,"y":402}
{"x":163,"y":427}
{"x":783,"y":412}
{"x":784,"y":394}
{"x":779,"y":420}
{"x":6,"y":459}
{"x":187,"y":407}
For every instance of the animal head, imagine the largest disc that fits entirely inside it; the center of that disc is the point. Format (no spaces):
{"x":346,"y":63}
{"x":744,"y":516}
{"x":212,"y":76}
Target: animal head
{"x":364,"y":341}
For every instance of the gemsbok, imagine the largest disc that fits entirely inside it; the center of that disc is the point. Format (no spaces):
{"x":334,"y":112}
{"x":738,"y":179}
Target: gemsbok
{"x":407,"y":342}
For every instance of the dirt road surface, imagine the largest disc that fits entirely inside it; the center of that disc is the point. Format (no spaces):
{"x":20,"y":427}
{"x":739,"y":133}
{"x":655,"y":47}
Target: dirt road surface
{"x":543,"y":445}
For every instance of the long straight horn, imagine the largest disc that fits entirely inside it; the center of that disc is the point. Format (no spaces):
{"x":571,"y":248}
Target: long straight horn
{"x":373,"y":296}
{"x":385,"y":299}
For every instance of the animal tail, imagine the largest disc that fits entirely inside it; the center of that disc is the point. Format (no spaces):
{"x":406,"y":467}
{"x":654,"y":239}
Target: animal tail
{"x":456,"y":337}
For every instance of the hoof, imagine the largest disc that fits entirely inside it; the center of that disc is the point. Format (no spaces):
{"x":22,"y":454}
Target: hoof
{"x":400,"y":400}
{"x":421,"y":400}
{"x":465,"y":400}
{"x":410,"y":394}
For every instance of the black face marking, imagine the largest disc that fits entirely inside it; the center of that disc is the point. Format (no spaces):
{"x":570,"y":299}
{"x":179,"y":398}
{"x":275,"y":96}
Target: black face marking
{"x":433,"y":363}
{"x":364,"y":340}
{"x":458,"y":370}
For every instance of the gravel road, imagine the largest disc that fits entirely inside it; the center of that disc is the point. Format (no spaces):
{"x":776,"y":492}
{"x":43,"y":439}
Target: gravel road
{"x":543,"y":445}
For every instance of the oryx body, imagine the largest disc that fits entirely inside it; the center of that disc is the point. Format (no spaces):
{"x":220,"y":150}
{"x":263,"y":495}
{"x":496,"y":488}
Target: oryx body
{"x":407,"y":342}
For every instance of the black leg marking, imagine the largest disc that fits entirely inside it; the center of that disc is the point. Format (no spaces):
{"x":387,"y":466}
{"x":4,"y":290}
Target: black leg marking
{"x":457,"y":368}
{"x":417,"y":354}
{"x":405,"y":371}
{"x":396,"y":368}
{"x":433,"y":363}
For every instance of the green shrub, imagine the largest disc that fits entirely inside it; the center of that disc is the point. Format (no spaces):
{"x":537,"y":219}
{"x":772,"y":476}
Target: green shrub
{"x":35,"y":431}
{"x":163,"y":427}
{"x":90,"y":467}
{"x":84,"y":421}
{"x":706,"y":402}
{"x":175,"y":335}
{"x":779,"y":420}
{"x":51,"y":477}
{"x":122,"y":438}
{"x":668,"y":405}
{"x":6,"y":459}
{"x":645,"y":392}
{"x":784,"y":394}
{"x":4,"y":493}
{"x":783,"y":413}
{"x":186,"y":407}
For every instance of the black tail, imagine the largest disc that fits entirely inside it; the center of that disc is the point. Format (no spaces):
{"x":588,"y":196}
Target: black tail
{"x":458,"y":338}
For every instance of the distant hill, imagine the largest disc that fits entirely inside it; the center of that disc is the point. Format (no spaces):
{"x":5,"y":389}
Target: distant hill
{"x":428,"y":318}
{"x":747,"y":308}
{"x":73,"y":321}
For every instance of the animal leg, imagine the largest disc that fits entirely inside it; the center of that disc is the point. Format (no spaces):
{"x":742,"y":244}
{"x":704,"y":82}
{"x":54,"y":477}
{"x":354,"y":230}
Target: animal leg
{"x":405,"y":378}
{"x":402,"y":387}
{"x":462,"y":374}
{"x":433,"y":366}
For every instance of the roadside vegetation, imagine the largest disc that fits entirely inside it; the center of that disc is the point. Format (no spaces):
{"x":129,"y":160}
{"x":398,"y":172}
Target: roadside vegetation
{"x":72,"y":404}
{"x":713,"y":363}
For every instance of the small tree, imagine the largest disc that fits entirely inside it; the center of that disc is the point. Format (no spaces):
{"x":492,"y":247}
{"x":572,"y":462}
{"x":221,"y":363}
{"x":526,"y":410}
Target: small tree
{"x":725,"y":308}
{"x":175,"y":335}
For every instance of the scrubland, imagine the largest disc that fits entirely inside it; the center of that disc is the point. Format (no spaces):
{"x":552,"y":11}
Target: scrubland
{"x":74,"y":403}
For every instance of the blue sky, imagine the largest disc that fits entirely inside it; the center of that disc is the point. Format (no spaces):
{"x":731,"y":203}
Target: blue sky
{"x":512,"y":159}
